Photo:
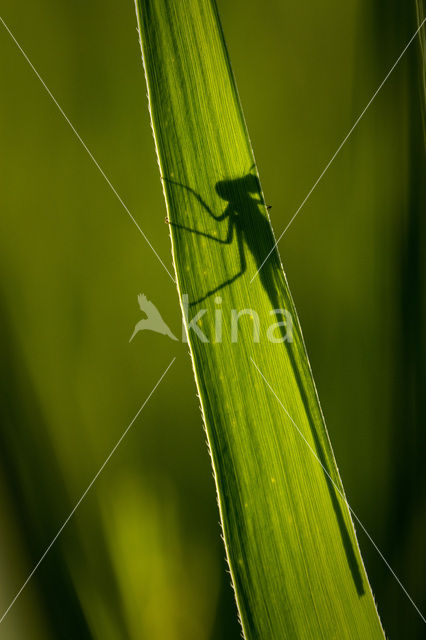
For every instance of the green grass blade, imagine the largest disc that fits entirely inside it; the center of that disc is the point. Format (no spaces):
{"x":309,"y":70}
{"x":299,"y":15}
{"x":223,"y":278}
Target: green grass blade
{"x":420,"y":10}
{"x":290,"y":542}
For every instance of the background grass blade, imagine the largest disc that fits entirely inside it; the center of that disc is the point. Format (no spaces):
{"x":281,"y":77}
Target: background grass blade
{"x":295,"y":563}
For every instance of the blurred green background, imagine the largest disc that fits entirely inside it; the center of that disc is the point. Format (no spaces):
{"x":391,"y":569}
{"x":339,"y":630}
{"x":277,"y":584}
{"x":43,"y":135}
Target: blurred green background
{"x":142,"y":557}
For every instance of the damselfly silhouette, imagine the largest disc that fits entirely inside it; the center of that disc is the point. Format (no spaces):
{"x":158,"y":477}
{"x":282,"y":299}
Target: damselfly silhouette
{"x":250,"y":226}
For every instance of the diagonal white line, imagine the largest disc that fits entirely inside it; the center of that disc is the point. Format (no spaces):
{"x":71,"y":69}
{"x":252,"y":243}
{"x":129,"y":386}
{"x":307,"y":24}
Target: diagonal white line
{"x":341,"y":145}
{"x":342,"y":495}
{"x":84,"y":494}
{"x":113,"y":189}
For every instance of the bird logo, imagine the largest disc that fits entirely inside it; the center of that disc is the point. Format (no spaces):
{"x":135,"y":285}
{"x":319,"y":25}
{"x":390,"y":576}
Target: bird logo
{"x":153,"y":321}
